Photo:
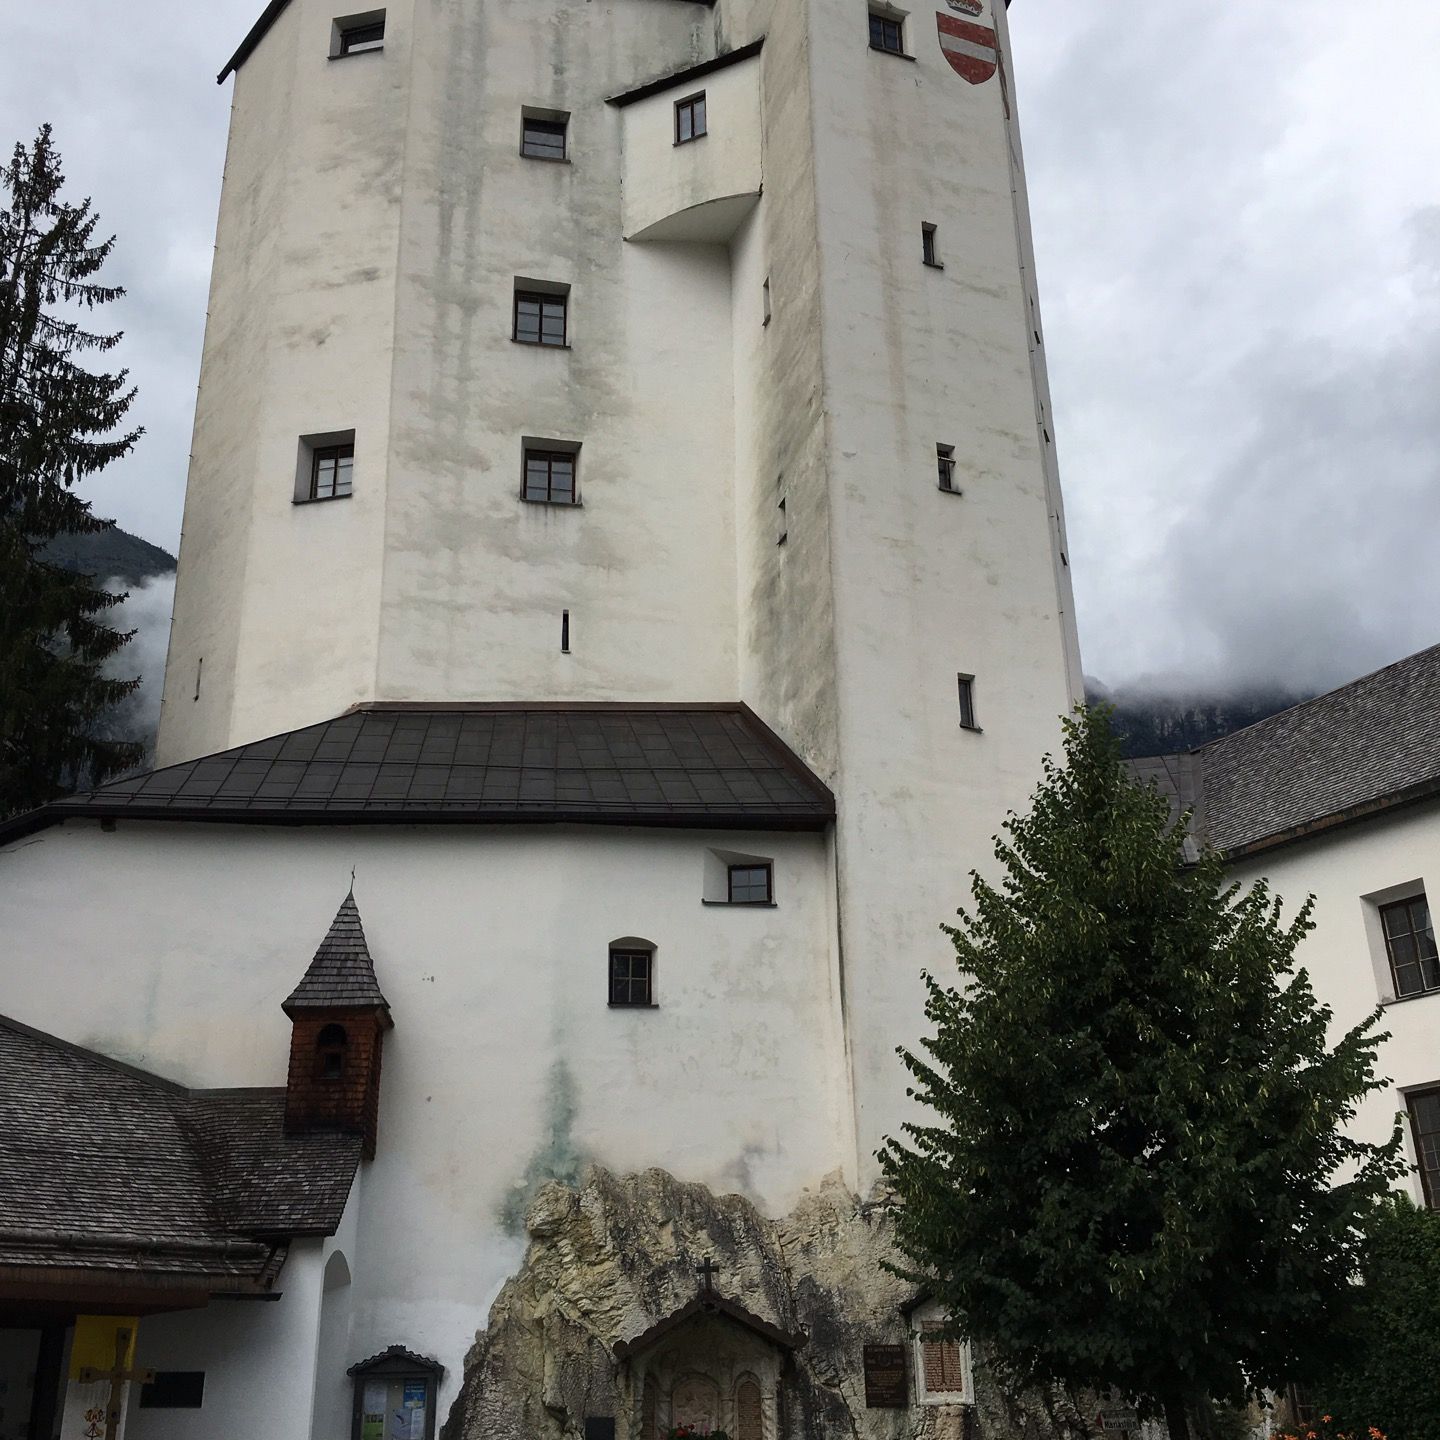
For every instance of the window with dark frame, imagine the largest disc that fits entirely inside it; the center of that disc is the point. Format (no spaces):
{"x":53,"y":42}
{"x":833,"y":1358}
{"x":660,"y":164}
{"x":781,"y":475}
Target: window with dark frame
{"x":752,"y":884}
{"x":1424,"y":1108}
{"x":690,"y":118}
{"x":331,"y":467}
{"x":945,"y":461}
{"x":927,"y":247}
{"x":550,"y":477}
{"x":356,"y":39}
{"x":967,"y":702}
{"x":887,"y":33}
{"x":631,"y":972}
{"x":543,"y":139}
{"x":1410,"y":946}
{"x":540,"y":318}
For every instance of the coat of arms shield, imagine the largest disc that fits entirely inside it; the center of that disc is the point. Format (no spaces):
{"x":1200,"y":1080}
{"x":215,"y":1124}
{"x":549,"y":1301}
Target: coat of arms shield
{"x":971,"y":49}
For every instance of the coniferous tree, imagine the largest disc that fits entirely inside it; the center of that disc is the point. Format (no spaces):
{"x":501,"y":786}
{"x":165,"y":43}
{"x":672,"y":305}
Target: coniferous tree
{"x":58,"y":424}
{"x":1133,"y":1174}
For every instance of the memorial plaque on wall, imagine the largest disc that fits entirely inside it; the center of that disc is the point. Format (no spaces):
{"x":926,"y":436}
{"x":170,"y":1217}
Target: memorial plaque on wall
{"x":886,"y":1385}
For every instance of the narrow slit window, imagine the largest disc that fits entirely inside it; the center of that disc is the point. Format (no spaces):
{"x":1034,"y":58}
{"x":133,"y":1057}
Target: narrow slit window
{"x":782,"y":525}
{"x":541,"y":318}
{"x":564,"y":632}
{"x":927,"y":247}
{"x":330,"y":472}
{"x":356,"y":37}
{"x":967,"y":702}
{"x":544,"y":139}
{"x":690,"y":118}
{"x":887,"y":33}
{"x":550,"y":477}
{"x":945,"y":466}
{"x":751,"y":885}
{"x":631,"y":974}
{"x":765,"y":302}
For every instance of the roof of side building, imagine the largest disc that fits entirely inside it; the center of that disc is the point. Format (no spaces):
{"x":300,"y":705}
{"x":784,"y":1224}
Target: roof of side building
{"x":1368,"y":747}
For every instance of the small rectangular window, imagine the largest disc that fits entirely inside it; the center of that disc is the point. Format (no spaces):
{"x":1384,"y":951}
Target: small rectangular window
{"x":550,"y":477}
{"x":1410,"y":946}
{"x":1424,"y":1107}
{"x":630,"y":972}
{"x":174,"y":1390}
{"x":690,"y":118}
{"x":927,"y":247}
{"x":887,"y":33}
{"x":540,"y":318}
{"x":330,"y":472}
{"x":945,"y":461}
{"x":967,"y":702}
{"x":751,"y":885}
{"x":543,"y":139}
{"x":361,"y":33}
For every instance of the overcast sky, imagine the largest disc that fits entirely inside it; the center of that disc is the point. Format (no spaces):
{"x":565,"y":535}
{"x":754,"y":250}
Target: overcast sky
{"x":1238,"y":230}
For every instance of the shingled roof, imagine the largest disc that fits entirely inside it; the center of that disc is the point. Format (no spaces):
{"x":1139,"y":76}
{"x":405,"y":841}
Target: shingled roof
{"x":1366,"y":748}
{"x":342,"y":975}
{"x":709,"y":766}
{"x":112,"y":1175}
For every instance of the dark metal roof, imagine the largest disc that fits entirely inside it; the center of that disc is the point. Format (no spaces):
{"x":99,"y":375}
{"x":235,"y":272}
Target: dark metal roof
{"x":691,"y":72}
{"x":108,"y":1169}
{"x":342,"y":975}
{"x":707,"y":1303}
{"x":694,"y":765}
{"x":1364,"y":749}
{"x":395,"y":1359}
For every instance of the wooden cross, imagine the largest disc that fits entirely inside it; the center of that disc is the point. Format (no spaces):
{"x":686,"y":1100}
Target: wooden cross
{"x":117,"y":1375}
{"x":708,"y":1270}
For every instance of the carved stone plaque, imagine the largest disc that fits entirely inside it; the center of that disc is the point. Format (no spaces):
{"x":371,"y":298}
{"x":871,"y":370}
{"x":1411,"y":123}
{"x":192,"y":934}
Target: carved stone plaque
{"x":886,"y":1386}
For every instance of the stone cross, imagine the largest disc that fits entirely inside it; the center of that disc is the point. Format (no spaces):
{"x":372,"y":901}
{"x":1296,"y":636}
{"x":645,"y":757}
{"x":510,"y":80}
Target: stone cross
{"x":708,"y":1271}
{"x":117,"y":1375}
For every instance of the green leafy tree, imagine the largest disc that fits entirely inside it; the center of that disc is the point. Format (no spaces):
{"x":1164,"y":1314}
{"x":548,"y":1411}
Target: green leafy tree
{"x":58,"y":425}
{"x":1133,"y":1173}
{"x":1389,"y":1374}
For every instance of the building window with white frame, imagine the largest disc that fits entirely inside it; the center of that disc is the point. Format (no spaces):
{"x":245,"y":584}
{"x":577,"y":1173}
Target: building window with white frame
{"x":1410,"y":946}
{"x":549,"y":477}
{"x":887,"y":32}
{"x":945,"y":461}
{"x":541,"y":317}
{"x":544,"y":134}
{"x":358,"y":34}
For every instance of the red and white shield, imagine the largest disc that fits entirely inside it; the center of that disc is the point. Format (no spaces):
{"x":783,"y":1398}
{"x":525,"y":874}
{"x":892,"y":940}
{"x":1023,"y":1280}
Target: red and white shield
{"x":970,"y":48}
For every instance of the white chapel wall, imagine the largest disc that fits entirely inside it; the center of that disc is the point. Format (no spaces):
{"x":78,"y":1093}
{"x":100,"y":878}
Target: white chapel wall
{"x":506,"y":1063}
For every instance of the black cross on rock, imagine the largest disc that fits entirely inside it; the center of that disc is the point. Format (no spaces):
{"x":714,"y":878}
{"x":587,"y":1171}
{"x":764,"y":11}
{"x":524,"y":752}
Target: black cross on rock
{"x":707,"y":1272}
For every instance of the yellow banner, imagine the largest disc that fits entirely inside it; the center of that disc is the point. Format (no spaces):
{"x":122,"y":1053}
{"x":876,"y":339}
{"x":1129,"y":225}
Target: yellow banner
{"x":98,"y":1344}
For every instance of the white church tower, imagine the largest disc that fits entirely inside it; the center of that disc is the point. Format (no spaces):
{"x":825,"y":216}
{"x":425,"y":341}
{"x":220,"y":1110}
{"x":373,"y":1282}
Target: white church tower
{"x":642,"y":351}
{"x":623,"y":550}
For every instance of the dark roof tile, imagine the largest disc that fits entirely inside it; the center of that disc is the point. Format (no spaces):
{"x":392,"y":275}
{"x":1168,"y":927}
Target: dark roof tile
{"x":342,"y":974}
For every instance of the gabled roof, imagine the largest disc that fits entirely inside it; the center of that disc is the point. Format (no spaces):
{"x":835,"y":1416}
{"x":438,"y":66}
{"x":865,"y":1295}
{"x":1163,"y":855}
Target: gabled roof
{"x":342,"y":975}
{"x":396,"y":1359}
{"x":707,"y":1303}
{"x":110,"y":1170}
{"x":707,"y":766}
{"x":1369,"y":747}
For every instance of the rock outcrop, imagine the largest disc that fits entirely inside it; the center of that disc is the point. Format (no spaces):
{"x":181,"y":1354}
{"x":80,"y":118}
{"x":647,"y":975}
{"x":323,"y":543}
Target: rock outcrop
{"x":611,"y":1258}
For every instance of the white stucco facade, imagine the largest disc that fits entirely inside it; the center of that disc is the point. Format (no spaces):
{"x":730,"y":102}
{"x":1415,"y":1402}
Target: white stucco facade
{"x":758,"y":371}
{"x":506,"y":1065}
{"x":1352,"y":872}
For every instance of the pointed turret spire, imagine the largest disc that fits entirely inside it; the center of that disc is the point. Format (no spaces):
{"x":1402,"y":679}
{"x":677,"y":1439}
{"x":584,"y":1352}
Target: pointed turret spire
{"x":339,"y":1017}
{"x":342,"y":974}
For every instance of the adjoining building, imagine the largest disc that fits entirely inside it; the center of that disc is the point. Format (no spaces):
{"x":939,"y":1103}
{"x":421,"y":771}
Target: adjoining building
{"x":1339,"y":798}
